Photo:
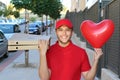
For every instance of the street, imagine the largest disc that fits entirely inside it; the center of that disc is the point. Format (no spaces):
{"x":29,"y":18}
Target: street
{"x":4,"y":62}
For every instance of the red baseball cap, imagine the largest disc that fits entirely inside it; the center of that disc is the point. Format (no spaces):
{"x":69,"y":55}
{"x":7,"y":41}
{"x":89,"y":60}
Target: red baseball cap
{"x":66,"y":22}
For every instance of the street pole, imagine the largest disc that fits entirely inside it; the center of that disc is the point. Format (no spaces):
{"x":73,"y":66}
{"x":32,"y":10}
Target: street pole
{"x":99,"y":10}
{"x":26,"y":58}
{"x":46,"y":26}
{"x":26,"y":22}
{"x":26,"y":31}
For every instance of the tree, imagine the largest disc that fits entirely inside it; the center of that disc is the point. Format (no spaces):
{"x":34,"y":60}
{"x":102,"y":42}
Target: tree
{"x":56,"y":8}
{"x":40,"y":7}
{"x":16,"y":14}
{"x":2,"y":7}
{"x":48,"y":7}
{"x":1,"y":12}
{"x":19,"y":4}
{"x":10,"y":10}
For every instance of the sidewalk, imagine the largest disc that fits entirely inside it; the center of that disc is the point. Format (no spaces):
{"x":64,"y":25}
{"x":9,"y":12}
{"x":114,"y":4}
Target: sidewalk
{"x":17,"y":69}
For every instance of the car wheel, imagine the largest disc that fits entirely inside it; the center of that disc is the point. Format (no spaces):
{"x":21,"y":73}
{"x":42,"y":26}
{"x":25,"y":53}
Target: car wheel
{"x":36,"y":32}
{"x":5,"y":55}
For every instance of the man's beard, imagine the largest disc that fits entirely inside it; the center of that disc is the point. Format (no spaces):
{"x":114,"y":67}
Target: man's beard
{"x":64,"y":42}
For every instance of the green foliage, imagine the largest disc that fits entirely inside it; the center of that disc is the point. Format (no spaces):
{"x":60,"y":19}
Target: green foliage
{"x":40,"y":7}
{"x":16,"y":14}
{"x":19,"y":4}
{"x":7,"y":11}
{"x":1,"y":12}
{"x":56,"y":8}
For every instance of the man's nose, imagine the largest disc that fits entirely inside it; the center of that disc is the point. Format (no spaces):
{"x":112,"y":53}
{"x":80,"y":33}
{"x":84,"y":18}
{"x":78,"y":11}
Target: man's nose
{"x":64,"y":32}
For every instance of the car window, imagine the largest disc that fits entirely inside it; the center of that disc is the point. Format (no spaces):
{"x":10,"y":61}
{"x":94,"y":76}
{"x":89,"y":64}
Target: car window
{"x":1,"y":35}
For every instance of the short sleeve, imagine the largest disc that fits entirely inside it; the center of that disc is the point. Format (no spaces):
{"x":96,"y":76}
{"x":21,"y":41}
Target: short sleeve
{"x":85,"y":66}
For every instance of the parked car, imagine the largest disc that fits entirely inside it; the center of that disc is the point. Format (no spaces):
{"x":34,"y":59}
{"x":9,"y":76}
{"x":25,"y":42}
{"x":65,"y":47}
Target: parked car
{"x":41,"y":25}
{"x":3,"y":45}
{"x":9,"y":27}
{"x":34,"y":28}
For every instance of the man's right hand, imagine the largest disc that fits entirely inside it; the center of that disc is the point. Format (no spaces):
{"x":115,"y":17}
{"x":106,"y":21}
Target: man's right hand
{"x":43,"y":46}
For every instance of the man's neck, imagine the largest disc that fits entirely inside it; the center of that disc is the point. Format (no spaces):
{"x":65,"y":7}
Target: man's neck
{"x":63,"y":44}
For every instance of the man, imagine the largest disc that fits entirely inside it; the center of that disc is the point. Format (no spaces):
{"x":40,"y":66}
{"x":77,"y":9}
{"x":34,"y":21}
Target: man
{"x":64,"y":60}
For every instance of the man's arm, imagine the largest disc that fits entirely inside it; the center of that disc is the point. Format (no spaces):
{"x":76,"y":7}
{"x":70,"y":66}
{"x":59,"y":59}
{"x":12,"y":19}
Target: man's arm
{"x":90,"y":75}
{"x":44,"y":72}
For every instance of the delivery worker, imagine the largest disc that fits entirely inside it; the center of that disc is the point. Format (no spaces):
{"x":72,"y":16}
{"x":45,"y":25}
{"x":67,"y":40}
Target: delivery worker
{"x":64,"y":60}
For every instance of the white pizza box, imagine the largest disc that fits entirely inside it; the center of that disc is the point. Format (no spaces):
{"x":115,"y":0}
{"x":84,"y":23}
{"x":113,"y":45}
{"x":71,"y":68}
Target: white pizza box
{"x":26,"y":39}
{"x":12,"y":48}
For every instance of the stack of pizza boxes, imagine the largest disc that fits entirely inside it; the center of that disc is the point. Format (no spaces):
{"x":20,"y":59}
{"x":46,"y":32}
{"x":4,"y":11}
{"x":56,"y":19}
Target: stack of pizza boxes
{"x":21,"y":41}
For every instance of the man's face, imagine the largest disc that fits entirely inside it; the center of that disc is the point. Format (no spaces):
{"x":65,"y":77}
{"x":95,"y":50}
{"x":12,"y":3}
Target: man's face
{"x":64,"y":34}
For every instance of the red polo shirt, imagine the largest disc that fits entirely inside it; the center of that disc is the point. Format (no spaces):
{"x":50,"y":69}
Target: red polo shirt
{"x":67,"y":63}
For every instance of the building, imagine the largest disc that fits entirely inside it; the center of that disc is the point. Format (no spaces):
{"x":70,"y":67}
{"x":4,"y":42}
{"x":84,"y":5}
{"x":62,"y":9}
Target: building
{"x":80,"y":5}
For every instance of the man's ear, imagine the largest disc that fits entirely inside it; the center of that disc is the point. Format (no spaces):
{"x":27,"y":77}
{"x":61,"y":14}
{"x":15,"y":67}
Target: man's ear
{"x":72,"y":31}
{"x":55,"y":30}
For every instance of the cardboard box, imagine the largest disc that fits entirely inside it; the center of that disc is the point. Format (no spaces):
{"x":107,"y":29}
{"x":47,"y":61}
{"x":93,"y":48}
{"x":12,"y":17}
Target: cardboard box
{"x":21,"y":41}
{"x":11,"y":48}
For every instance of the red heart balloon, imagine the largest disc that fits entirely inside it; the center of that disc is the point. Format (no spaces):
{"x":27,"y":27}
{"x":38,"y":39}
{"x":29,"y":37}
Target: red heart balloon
{"x":97,"y":33}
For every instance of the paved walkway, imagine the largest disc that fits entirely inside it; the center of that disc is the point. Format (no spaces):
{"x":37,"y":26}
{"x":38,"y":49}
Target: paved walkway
{"x":17,"y":69}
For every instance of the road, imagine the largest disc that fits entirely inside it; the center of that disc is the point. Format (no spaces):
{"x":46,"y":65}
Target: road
{"x":4,"y":62}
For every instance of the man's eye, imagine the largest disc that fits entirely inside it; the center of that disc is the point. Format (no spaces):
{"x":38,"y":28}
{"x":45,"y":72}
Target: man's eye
{"x":60,"y":29}
{"x":68,"y":30}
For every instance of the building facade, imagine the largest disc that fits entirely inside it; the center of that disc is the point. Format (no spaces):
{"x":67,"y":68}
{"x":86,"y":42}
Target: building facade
{"x":78,"y":5}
